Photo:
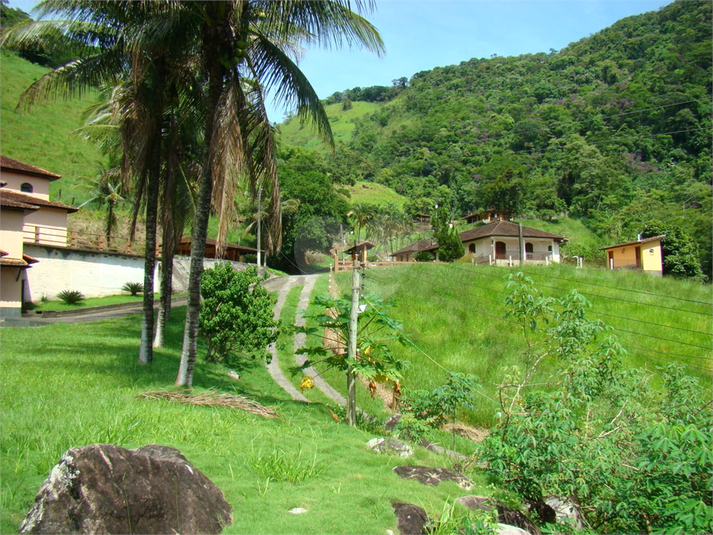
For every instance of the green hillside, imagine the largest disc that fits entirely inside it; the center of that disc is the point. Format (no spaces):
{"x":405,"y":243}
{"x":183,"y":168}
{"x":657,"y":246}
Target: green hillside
{"x":295,"y":132}
{"x":42,"y":136}
{"x":373,"y":193}
{"x":614,"y":131}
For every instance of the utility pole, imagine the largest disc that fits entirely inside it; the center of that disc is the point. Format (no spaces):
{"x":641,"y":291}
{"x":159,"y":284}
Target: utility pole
{"x":522,"y":245}
{"x":352,"y":347}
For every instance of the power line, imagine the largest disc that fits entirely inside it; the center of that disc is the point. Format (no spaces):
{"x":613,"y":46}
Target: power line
{"x":614,"y":328}
{"x":604,"y":286}
{"x":406,"y":337}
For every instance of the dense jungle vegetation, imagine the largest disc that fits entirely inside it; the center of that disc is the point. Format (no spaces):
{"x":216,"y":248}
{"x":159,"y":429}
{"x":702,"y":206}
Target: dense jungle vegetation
{"x":614,"y":130}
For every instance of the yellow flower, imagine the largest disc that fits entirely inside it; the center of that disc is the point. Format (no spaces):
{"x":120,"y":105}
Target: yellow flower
{"x":307,"y":383}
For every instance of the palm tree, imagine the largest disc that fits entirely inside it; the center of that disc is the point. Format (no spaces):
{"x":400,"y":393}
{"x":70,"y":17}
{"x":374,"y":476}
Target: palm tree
{"x":139,"y":49}
{"x":247,"y":44}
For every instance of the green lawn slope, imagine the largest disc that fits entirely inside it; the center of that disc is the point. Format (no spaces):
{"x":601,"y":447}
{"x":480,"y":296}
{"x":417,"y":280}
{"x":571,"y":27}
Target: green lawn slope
{"x":455,"y":316}
{"x":373,"y":193}
{"x":297,"y":133}
{"x":42,"y":135}
{"x":72,"y":385}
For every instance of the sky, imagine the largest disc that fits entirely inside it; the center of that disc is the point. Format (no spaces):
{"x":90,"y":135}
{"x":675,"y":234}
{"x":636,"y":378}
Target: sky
{"x":420,"y":35}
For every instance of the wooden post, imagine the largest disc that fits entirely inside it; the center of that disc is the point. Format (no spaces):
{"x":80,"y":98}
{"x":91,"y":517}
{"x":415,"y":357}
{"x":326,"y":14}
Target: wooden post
{"x":352,"y":347}
{"x":100,"y":242}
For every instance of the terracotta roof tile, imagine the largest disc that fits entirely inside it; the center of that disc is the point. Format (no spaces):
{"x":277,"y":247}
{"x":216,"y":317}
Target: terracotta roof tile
{"x":12,"y":262}
{"x":25,"y":168}
{"x":415,"y":247}
{"x":33,"y":202}
{"x":9,"y":202}
{"x":508,"y":229}
{"x":635,"y":242}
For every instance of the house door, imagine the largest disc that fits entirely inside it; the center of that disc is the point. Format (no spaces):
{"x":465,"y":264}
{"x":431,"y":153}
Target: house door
{"x":500,"y":250}
{"x":529,"y":249}
{"x":637,"y":251}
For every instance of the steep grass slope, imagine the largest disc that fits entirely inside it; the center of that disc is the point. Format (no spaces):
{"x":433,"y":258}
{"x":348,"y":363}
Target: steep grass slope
{"x":43,"y":135}
{"x":455,"y":315}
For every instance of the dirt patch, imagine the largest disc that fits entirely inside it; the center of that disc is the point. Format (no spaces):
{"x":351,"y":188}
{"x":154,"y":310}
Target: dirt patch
{"x":476,"y":434}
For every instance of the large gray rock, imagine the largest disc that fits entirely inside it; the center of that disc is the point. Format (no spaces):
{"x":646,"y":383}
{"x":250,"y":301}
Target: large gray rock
{"x":411,"y":519}
{"x":566,"y":512}
{"x":506,"y":529}
{"x":390,"y":445}
{"x":433,"y":476}
{"x":506,"y":515}
{"x":104,"y":489}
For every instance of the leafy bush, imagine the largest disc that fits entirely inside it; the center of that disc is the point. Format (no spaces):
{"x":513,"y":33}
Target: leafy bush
{"x":71,"y":297}
{"x":133,"y":288}
{"x":639,"y":459}
{"x":424,"y":256}
{"x":236,"y":316}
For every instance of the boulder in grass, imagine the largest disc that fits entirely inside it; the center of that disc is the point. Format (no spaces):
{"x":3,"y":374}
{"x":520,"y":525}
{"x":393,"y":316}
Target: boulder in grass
{"x":506,"y":516}
{"x":433,"y":476}
{"x":506,"y":529}
{"x":106,"y":489}
{"x":390,"y":445}
{"x":411,"y":519}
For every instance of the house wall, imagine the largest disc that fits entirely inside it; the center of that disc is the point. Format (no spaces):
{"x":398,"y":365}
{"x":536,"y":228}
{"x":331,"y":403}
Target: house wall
{"x":622,"y":256}
{"x":11,"y":232}
{"x":94,"y":274}
{"x":40,"y":186}
{"x":10,"y":291}
{"x":485,"y":247}
{"x":46,"y":226}
{"x":651,"y":257}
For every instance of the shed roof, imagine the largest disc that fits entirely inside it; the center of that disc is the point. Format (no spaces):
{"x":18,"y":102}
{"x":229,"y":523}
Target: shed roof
{"x":359,"y":246}
{"x":507,"y":229}
{"x":26,"y":169}
{"x":210,"y":242}
{"x":635,"y":242}
{"x":33,"y":203}
{"x":416,"y":247}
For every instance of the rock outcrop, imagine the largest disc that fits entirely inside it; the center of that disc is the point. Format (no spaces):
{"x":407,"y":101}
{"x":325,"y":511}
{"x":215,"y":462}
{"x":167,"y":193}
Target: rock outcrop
{"x":105,"y":489}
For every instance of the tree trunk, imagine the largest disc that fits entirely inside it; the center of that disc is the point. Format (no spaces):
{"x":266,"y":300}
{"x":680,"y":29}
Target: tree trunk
{"x":167,"y":255}
{"x":200,"y":226}
{"x":152,"y":194}
{"x":352,"y":347}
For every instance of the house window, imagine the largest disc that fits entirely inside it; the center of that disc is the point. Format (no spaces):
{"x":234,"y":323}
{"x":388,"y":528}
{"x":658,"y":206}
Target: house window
{"x":549,"y":248}
{"x":471,"y":248}
{"x":26,"y":187}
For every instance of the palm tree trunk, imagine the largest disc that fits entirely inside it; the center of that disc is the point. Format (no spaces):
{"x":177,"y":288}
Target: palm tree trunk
{"x":203,"y":203}
{"x":152,"y":194}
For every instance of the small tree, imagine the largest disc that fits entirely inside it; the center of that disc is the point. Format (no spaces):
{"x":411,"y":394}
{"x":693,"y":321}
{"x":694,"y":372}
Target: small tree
{"x":679,"y":250}
{"x":236,"y":316}
{"x":450,"y":245}
{"x":375,"y":331}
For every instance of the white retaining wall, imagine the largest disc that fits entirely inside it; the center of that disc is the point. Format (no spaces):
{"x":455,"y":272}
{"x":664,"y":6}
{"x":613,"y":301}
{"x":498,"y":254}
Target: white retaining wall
{"x":95,"y":274}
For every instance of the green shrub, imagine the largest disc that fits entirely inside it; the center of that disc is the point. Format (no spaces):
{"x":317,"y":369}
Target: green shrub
{"x":278,"y":465}
{"x":71,"y":297}
{"x":236,"y":316}
{"x":133,"y":288}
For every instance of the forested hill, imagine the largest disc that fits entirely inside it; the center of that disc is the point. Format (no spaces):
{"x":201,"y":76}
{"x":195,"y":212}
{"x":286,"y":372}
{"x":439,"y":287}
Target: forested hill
{"x":614,"y":130}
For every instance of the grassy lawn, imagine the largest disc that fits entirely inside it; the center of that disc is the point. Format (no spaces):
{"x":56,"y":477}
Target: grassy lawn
{"x":72,"y":385}
{"x":90,"y":302}
{"x":455,"y":314}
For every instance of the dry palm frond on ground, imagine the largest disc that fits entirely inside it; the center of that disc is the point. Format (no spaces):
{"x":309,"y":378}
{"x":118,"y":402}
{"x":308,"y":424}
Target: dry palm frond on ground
{"x":214,"y":399}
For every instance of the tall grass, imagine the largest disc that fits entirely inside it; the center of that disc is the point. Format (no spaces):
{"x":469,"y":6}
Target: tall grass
{"x":455,"y":315}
